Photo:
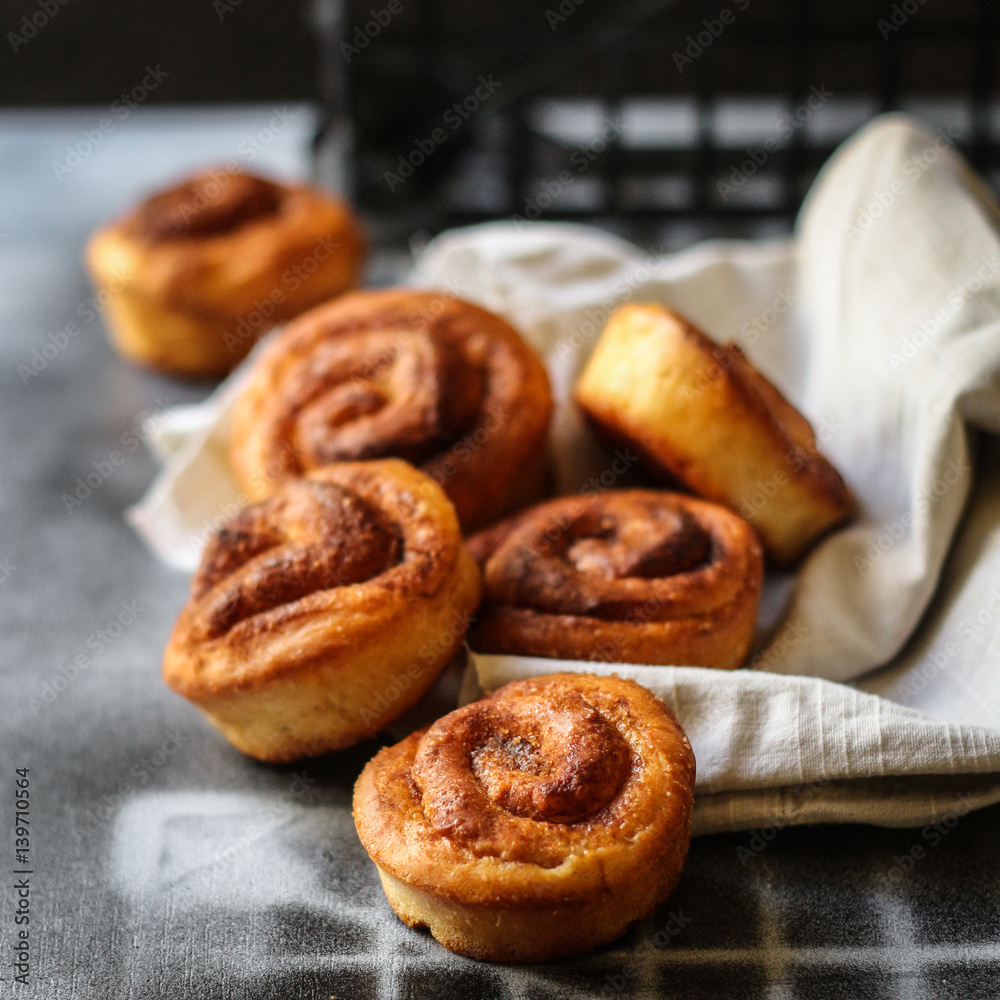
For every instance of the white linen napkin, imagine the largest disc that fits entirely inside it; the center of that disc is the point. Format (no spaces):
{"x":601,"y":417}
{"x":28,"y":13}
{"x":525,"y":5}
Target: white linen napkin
{"x":880,"y":320}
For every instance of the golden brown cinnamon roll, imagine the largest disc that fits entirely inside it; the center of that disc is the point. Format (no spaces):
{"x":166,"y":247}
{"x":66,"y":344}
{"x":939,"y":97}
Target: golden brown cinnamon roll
{"x":636,"y":576}
{"x":419,"y":375}
{"x":323,"y":613}
{"x":702,"y":414}
{"x":536,"y":823}
{"x":196,"y":273}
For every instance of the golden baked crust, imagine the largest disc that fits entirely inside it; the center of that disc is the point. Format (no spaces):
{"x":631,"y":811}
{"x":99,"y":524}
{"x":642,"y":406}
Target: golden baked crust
{"x":323,"y":613}
{"x":418,"y":375}
{"x":702,"y":413}
{"x":633,"y":576}
{"x":536,"y":823}
{"x":195,"y":274}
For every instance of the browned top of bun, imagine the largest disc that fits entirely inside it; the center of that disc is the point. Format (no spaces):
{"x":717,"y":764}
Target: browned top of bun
{"x":419,"y":375}
{"x":222,"y":240}
{"x":208,"y":204}
{"x":303,"y":577}
{"x":645,"y":555}
{"x":553,"y":788}
{"x":312,"y":536}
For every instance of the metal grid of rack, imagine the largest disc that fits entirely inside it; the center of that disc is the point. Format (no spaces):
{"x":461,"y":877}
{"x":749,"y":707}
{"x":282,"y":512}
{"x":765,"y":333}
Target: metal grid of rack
{"x":640,"y":114}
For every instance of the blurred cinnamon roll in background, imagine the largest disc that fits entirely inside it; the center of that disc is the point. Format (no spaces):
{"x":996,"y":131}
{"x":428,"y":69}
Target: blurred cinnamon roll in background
{"x":323,"y":613}
{"x":193,"y":276}
{"x":636,"y":576}
{"x":422,"y":376}
{"x":536,"y":823}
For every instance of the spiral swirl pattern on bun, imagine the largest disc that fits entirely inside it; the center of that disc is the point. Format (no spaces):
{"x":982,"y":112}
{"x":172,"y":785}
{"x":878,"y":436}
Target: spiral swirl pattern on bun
{"x":206,"y":205}
{"x":194,"y":275}
{"x":323,"y":613}
{"x":637,"y":576}
{"x":538,"y":822}
{"x":416,"y":375}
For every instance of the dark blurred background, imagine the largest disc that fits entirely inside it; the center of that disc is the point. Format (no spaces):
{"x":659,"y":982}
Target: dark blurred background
{"x":651,"y":117}
{"x":91,"y":50}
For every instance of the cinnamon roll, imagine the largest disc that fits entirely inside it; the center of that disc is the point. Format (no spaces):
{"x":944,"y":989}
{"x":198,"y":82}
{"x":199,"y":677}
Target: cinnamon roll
{"x":419,"y":375}
{"x":195,"y":274}
{"x":537,"y":823}
{"x":702,"y":414}
{"x":326,"y":611}
{"x":637,"y":576}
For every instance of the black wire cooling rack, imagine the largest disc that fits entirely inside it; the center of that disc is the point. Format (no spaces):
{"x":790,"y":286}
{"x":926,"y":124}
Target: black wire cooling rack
{"x":637,"y":115}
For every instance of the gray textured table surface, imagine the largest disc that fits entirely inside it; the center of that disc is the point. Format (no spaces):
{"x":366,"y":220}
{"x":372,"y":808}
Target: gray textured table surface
{"x":165,"y":864}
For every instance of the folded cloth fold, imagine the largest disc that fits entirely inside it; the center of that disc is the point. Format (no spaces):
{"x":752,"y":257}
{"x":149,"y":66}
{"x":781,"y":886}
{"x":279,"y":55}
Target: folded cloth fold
{"x":777,"y":751}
